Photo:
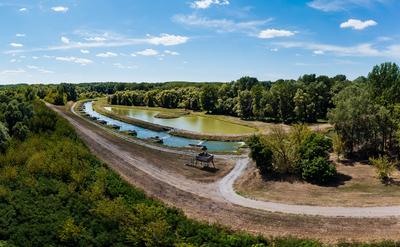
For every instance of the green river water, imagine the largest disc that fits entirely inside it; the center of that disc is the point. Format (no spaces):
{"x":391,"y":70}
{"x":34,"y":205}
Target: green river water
{"x":192,"y":123}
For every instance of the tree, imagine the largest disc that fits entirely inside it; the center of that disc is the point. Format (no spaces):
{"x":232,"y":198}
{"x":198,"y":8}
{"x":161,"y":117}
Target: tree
{"x":283,"y":150}
{"x":384,"y":83}
{"x":246,"y":83}
{"x":304,"y":107}
{"x":20,"y":131}
{"x":168,"y":98}
{"x":354,"y":118}
{"x":4,"y":137}
{"x":282,"y":94}
{"x":150,"y":98}
{"x":245,"y":104}
{"x":257,"y":94}
{"x":209,"y":98}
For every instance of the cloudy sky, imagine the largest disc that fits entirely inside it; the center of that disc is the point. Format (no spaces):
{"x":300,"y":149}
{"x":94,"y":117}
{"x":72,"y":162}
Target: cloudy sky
{"x":196,"y":40}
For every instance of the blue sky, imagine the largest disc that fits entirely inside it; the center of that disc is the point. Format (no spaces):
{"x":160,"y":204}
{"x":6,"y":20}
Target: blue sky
{"x":194,"y":40}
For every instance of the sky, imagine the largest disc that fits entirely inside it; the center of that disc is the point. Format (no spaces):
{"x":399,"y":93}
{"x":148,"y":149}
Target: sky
{"x":193,"y":40}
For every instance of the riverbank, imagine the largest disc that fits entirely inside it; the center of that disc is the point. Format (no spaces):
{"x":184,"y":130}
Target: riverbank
{"x":100,"y":106}
{"x":232,"y":148}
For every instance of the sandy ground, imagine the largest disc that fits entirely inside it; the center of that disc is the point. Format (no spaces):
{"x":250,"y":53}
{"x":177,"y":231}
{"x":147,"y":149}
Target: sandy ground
{"x":203,"y":201}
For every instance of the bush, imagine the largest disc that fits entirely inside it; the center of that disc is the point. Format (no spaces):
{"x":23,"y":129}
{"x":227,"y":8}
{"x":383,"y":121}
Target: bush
{"x":318,"y":170}
{"x":315,"y":145}
{"x":384,"y":167}
{"x":261,"y":154}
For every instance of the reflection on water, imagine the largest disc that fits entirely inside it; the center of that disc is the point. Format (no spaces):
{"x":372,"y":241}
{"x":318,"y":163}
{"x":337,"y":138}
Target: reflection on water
{"x":190,"y":122}
{"x":169,"y":140}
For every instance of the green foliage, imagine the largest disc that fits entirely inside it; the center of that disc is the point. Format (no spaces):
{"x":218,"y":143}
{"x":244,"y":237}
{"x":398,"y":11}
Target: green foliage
{"x":315,"y":145}
{"x":318,"y":170}
{"x":304,"y":100}
{"x":314,"y":164}
{"x":338,"y":145}
{"x":384,"y":167}
{"x":261,"y":154}
{"x":4,"y":137}
{"x":209,"y":98}
{"x":300,"y":152}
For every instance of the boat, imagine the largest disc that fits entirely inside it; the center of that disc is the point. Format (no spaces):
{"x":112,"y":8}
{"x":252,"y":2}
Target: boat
{"x":156,"y":139}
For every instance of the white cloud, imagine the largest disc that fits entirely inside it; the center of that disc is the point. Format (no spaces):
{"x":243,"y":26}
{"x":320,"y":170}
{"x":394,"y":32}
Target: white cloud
{"x":96,"y":39}
{"x":360,"y":50}
{"x":318,"y":52}
{"x":16,"y":45}
{"x":275,"y":33}
{"x":20,"y":35}
{"x":112,"y":41}
{"x":221,"y":25}
{"x":167,"y":40}
{"x":107,"y":54}
{"x":148,"y":52}
{"x":81,"y":61}
{"x":274,"y":49}
{"x":133,"y":55}
{"x":23,"y":10}
{"x":41,"y":70}
{"x":172,"y":53}
{"x":358,"y":24}
{"x":83,"y":51}
{"x":121,"y":66}
{"x":61,"y":9}
{"x":35,"y":58}
{"x":204,"y":4}
{"x":13,"y":60}
{"x":65,"y":40}
{"x":14,"y":71}
{"x":340,"y":5}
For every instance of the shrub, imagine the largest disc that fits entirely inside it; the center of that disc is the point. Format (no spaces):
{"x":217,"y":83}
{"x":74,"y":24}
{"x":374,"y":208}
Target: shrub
{"x":315,"y":145}
{"x":338,"y":145}
{"x":384,"y":167}
{"x":261,"y":154}
{"x":318,"y":170}
{"x":314,"y":165}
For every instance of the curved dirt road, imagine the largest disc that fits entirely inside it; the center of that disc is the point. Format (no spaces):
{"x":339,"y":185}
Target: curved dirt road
{"x":217,"y":202}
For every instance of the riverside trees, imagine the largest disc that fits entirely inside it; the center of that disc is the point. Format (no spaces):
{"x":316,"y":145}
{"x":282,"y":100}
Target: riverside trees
{"x":304,"y":100}
{"x":366,"y":115}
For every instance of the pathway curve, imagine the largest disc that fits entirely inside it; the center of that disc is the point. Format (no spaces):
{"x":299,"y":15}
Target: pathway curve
{"x":223,"y":190}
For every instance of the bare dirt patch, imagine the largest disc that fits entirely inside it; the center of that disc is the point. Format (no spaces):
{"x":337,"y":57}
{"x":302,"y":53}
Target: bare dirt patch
{"x":356,"y":186}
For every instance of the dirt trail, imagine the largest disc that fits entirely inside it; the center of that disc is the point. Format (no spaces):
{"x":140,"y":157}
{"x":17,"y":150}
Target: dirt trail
{"x":227,"y":191}
{"x":218,"y":202}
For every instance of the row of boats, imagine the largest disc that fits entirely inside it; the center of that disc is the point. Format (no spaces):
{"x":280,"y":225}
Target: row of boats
{"x":155,"y":139}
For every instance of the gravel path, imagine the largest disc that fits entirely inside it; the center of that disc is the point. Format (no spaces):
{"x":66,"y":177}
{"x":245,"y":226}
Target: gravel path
{"x":223,"y":190}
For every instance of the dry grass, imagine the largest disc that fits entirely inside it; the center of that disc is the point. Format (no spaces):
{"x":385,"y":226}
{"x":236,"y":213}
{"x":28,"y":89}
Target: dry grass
{"x":357,"y":185}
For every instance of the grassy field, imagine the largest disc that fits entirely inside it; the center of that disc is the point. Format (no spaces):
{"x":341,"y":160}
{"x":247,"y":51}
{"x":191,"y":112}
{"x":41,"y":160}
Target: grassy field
{"x":357,"y":185}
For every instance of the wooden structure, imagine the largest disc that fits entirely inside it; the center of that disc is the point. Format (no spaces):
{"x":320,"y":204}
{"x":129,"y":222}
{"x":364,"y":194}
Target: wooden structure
{"x":204,"y":159}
